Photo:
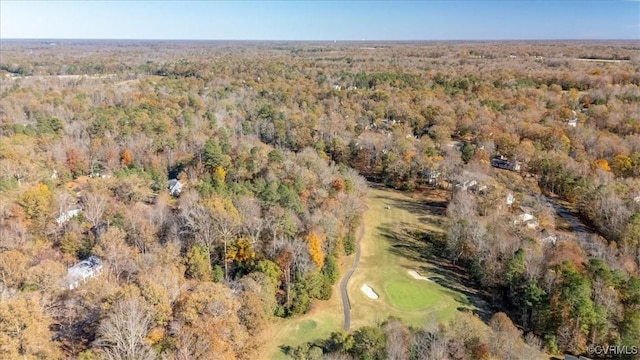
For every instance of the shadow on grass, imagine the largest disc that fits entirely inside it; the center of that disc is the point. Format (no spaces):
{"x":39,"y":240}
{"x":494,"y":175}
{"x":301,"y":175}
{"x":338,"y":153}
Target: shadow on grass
{"x":423,"y":207}
{"x":286,"y":349}
{"x":430,"y":248}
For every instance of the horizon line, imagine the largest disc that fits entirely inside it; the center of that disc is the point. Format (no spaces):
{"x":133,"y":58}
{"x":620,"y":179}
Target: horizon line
{"x":316,"y":40}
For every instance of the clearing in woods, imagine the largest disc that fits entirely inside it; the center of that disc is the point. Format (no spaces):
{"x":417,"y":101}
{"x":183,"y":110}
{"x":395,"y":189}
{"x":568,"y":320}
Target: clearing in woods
{"x":401,"y":230}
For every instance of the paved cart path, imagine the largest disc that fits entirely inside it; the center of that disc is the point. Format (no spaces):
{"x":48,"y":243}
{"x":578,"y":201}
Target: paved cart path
{"x":346,"y":304}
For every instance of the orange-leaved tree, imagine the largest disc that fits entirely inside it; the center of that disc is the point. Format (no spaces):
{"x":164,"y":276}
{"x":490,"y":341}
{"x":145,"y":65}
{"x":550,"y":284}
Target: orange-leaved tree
{"x":602,"y":164}
{"x":126,"y":158}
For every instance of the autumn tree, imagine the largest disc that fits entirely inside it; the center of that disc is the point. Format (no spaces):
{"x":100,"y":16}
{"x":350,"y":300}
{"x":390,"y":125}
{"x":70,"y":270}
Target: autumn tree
{"x":24,"y":330}
{"x":76,"y":161}
{"x":94,"y":205}
{"x":398,"y":339}
{"x":257,"y":302}
{"x":226,"y":222}
{"x":253,"y":221}
{"x":315,"y":249}
{"x":208,"y":313}
{"x":506,"y":341}
{"x":37,"y":205}
{"x":118,"y":256}
{"x":199,"y":263}
{"x":122,"y":333}
{"x":13,"y":266}
{"x":126,"y":158}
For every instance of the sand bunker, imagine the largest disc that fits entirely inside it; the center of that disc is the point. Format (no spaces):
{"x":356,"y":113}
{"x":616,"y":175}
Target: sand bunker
{"x":414,"y":274}
{"x":367,"y":290}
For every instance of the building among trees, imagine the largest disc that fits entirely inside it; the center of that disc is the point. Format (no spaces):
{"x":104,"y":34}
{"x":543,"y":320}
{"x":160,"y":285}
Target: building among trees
{"x":85,"y":269}
{"x":503,"y":163}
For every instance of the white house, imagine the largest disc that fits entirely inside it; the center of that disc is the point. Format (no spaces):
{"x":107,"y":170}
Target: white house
{"x":510,"y":199}
{"x":526,"y":218}
{"x":467,"y":185}
{"x":67,"y":216}
{"x":80,"y":272}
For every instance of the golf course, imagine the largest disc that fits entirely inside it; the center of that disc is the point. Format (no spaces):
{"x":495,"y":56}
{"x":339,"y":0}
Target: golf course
{"x":395,"y":276}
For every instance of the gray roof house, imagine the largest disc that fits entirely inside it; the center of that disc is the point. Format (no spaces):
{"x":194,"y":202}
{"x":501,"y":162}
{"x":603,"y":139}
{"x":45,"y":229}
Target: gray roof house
{"x":80,"y":272}
{"x":503,"y":163}
{"x":175,"y":187}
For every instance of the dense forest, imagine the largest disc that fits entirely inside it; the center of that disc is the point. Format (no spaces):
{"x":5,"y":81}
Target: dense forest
{"x":271,"y":146}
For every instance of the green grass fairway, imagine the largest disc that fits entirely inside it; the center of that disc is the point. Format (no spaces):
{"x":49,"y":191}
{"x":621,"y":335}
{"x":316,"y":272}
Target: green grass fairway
{"x":390,"y":250}
{"x":411,"y":296}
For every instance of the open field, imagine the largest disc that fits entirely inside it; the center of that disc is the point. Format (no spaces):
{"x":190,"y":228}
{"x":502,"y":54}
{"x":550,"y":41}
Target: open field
{"x":389,"y":255}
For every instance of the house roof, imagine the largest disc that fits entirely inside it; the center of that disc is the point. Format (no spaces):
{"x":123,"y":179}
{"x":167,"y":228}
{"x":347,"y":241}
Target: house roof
{"x":175,"y":187}
{"x":68,"y":215}
{"x":84,"y":269}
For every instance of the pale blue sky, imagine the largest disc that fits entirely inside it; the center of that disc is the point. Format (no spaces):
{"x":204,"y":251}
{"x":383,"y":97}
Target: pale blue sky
{"x":321,"y":20}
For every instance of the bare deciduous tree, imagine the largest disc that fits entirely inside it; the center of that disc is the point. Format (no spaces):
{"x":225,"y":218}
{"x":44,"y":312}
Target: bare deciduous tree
{"x":94,"y":206}
{"x":122,"y":333}
{"x":428,"y":345}
{"x":398,"y":339}
{"x":252,"y":220}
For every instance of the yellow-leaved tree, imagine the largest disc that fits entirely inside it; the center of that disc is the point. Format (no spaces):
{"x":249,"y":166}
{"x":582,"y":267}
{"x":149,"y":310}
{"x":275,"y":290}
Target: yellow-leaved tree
{"x":36,"y":203}
{"x":219,"y":176}
{"x":24,"y":330}
{"x":315,"y":249}
{"x":622,"y":165}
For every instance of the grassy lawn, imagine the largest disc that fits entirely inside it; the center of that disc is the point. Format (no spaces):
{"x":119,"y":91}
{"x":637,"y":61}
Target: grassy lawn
{"x":389,"y":250}
{"x":294,"y":332}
